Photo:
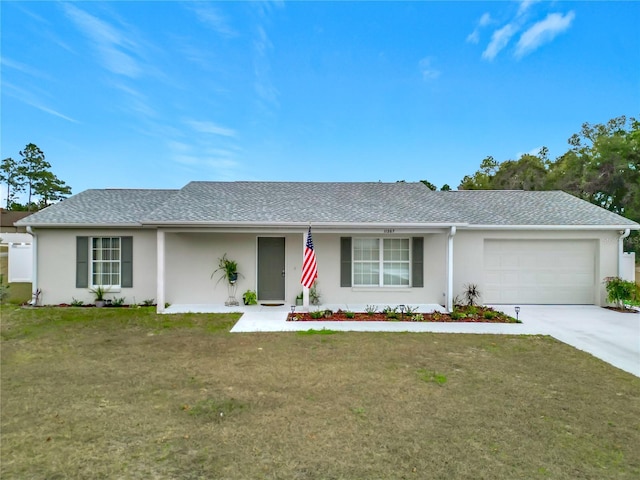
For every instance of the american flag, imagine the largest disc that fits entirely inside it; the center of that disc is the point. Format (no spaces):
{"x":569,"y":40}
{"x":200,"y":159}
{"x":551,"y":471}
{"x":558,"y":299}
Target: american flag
{"x":309,"y":265}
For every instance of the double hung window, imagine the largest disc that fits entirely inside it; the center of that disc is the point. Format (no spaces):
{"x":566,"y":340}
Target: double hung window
{"x":105,"y":261}
{"x":381,"y":262}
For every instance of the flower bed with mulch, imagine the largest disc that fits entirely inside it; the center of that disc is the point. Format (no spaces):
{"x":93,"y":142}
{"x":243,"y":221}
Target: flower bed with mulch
{"x":473,"y":314}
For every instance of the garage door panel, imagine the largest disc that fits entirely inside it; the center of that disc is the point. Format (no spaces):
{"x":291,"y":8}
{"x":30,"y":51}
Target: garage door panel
{"x":492,"y":261}
{"x":530,"y":262}
{"x":543,"y":272}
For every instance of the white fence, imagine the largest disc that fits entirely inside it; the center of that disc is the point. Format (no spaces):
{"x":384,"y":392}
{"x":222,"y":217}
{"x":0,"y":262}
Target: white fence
{"x":20,"y":262}
{"x":628,"y":267}
{"x":20,"y":256}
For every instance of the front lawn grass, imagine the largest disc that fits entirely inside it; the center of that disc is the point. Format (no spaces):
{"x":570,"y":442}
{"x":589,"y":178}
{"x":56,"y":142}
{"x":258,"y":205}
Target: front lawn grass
{"x":124,"y":393}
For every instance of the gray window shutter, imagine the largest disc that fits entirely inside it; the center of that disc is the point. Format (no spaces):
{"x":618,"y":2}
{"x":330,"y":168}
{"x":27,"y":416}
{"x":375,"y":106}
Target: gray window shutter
{"x":82,"y":262}
{"x":417,"y":262}
{"x":126,"y":260}
{"x":345,"y":261}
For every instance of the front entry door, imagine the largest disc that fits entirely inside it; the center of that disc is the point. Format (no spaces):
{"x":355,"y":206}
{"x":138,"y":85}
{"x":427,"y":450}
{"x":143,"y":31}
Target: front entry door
{"x":271,"y":268}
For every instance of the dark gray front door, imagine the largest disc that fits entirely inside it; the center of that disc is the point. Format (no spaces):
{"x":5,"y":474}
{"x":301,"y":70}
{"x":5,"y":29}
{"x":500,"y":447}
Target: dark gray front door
{"x":270,"y":268}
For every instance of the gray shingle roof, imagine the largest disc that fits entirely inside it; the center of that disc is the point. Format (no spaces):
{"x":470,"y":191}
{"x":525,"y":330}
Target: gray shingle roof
{"x":101,"y":207}
{"x":335,"y":203}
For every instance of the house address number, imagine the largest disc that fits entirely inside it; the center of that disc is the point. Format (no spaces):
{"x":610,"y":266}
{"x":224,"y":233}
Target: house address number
{"x":389,"y":230}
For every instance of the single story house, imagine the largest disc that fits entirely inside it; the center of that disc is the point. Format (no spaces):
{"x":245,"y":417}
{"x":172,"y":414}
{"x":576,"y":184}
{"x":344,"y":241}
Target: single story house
{"x":378,"y":243}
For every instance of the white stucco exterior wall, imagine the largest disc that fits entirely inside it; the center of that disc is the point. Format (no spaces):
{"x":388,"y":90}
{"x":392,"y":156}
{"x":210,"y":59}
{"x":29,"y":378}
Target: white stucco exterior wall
{"x":56,"y":264}
{"x":191,"y":257}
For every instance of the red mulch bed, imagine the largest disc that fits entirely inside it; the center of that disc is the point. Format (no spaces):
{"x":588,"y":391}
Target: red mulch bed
{"x":477,"y":315}
{"x":622,"y":310}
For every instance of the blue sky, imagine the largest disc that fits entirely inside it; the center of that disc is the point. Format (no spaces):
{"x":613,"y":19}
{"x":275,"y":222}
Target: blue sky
{"x":155,"y":94}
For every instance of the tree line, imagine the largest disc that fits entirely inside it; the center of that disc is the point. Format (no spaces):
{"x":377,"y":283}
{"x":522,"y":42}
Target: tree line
{"x":601,"y":166}
{"x":32,"y":176}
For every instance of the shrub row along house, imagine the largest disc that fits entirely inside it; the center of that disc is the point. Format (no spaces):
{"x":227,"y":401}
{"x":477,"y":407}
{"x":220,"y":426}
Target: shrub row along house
{"x":382,"y":243}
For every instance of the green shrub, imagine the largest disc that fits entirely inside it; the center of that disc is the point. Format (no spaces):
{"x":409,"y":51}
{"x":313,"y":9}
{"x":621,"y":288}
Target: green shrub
{"x":457,"y":315}
{"x":4,"y":293}
{"x":118,"y":301}
{"x":371,"y":309}
{"x":471,"y":311}
{"x":316,"y":314}
{"x":250,"y":297}
{"x":349,"y":314}
{"x":409,"y":310}
{"x":391,"y":313}
{"x":490,"y":314}
{"x":621,"y":291}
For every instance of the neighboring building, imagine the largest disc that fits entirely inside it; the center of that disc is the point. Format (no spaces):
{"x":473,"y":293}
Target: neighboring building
{"x":378,"y":243}
{"x":8,"y":218}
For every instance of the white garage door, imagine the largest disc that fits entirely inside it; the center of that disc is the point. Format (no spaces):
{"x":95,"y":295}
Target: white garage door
{"x":539,"y":271}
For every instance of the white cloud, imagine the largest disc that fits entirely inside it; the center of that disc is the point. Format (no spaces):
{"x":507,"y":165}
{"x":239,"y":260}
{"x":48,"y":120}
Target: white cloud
{"x":7,"y":62}
{"x":212,"y":18}
{"x":499,"y":40}
{"x":525,"y":5}
{"x":533,"y":37}
{"x":116,"y":49}
{"x":210,"y":127}
{"x":30,"y":99}
{"x":485,"y":20}
{"x":543,"y":32}
{"x":427,"y":70}
{"x":136,"y":102}
{"x":198,"y":158}
{"x":474,"y":37}
{"x":264,"y":87}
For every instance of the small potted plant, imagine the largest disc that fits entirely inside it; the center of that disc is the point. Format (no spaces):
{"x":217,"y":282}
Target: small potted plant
{"x":99,"y":293}
{"x":299,"y":299}
{"x":249,"y":297}
{"x":228,"y":270}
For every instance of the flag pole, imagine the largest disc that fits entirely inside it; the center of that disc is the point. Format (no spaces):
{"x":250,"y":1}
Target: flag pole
{"x":309,"y":268}
{"x":305,"y":290}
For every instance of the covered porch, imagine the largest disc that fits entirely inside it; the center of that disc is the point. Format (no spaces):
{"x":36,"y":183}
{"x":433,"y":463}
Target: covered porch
{"x":186,"y":259}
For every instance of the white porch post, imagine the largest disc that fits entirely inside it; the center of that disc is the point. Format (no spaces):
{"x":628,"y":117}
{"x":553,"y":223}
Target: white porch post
{"x":450,"y":269}
{"x":160,"y":271}
{"x":305,"y":290}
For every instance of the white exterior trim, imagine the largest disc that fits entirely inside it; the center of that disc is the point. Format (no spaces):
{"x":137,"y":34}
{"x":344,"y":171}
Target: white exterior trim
{"x":551,"y":227}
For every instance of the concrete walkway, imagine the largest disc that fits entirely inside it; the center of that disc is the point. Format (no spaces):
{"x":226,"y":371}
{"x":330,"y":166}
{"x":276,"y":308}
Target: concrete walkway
{"x":611,"y":336}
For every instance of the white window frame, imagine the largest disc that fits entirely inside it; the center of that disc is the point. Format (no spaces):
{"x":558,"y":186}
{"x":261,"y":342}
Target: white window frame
{"x":100,"y":252}
{"x":381,"y":261}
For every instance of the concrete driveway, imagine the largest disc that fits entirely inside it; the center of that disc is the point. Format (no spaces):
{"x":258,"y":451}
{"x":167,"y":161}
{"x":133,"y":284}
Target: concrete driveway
{"x":611,"y":336}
